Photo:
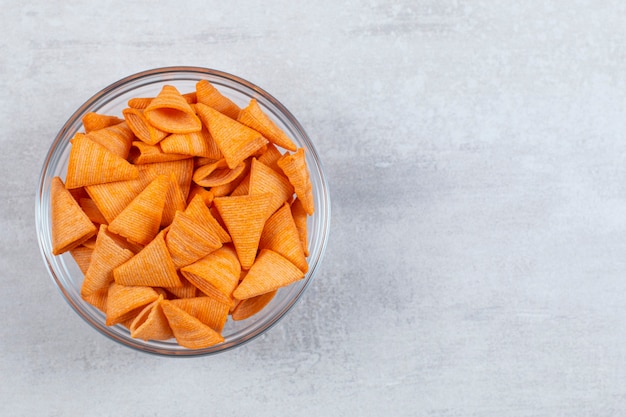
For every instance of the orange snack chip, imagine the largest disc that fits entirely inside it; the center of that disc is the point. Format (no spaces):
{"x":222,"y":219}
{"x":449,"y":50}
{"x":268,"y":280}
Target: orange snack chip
{"x":184,"y":212}
{"x":70,"y":225}
{"x":170,"y":112}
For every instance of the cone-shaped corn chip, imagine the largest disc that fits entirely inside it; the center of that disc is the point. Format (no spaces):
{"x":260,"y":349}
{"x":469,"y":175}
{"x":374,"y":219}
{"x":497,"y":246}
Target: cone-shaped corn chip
{"x":300,"y":217}
{"x":70,"y":225}
{"x":236,"y":141}
{"x":244,"y":217}
{"x":270,"y":157}
{"x":252,"y":116}
{"x":142,"y":153}
{"x":217,"y":174}
{"x":228,"y":188}
{"x":206,"y":309}
{"x":188,"y":240}
{"x":216,"y":275}
{"x":263,"y":180}
{"x":269,"y":272}
{"x":207,"y":94}
{"x":111,"y":198}
{"x":82,"y":257}
{"x":151,"y":323}
{"x":183,"y":170}
{"x":152,"y":267}
{"x":95,"y":121}
{"x":280,"y":235}
{"x":91,"y":163}
{"x":250,"y":306}
{"x":139,"y":222}
{"x":206,"y":195}
{"x":140,"y":126}
{"x":294,"y":166}
{"x":198,"y":211}
{"x":174,"y":201}
{"x":107,"y":255}
{"x":91,"y":210}
{"x":188,"y":330}
{"x":194,"y":144}
{"x":125,"y":302}
{"x":116,"y":138}
{"x":144,"y":102}
{"x":170,"y":112}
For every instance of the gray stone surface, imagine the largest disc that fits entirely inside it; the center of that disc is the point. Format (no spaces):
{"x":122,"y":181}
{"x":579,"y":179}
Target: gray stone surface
{"x":477,"y":163}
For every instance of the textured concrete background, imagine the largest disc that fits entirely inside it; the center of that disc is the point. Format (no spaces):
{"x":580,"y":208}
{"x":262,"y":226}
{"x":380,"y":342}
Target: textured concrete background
{"x":476,"y":155}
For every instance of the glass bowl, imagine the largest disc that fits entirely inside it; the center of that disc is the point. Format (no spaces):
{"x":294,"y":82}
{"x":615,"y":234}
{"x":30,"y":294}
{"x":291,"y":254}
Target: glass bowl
{"x":111,"y":100}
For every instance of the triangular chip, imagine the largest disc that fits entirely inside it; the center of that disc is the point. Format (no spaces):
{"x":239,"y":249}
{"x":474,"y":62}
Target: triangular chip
{"x":250,"y":306}
{"x":295,"y":167}
{"x":236,"y":141}
{"x":125,"y":302}
{"x":216,"y":275}
{"x":188,"y":240}
{"x":174,"y":201}
{"x":140,"y":126}
{"x":107,"y":255}
{"x":151,"y":323}
{"x":194,"y":144}
{"x":270,"y":157}
{"x":280,"y":235}
{"x":217,"y":173}
{"x":170,"y":112}
{"x":207,"y":94}
{"x":91,"y":163}
{"x":82,"y":257}
{"x":70,"y":225}
{"x":117,"y":138}
{"x":263,"y":180}
{"x":244,"y":217}
{"x":139,"y":222}
{"x":233,"y":184}
{"x":270,"y":272}
{"x":188,"y":330}
{"x":182,"y":170}
{"x":92,"y":211}
{"x":142,"y":153}
{"x":206,"y":309}
{"x":254,"y":117}
{"x":199,"y":211}
{"x":95,"y":121}
{"x":152,"y":267}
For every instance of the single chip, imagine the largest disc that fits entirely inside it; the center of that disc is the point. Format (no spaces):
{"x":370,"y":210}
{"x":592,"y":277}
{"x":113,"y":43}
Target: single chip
{"x":208,"y":310}
{"x":270,"y":272}
{"x":144,"y":102}
{"x":217,"y":173}
{"x":199,"y":211}
{"x":140,"y":126}
{"x":139,"y":222}
{"x":151,"y":323}
{"x":244,"y":217}
{"x":254,"y":117}
{"x":142,"y":153}
{"x":280,"y":235}
{"x":125,"y":302}
{"x":92,"y":211}
{"x":233,"y":184}
{"x":91,"y":163}
{"x":264,"y":180}
{"x":107,"y":255}
{"x":216,"y":275}
{"x":95,"y":121}
{"x":250,"y":306}
{"x":151,"y":267}
{"x":170,"y":112}
{"x":235,"y":140}
{"x":207,"y":94}
{"x":70,"y":225}
{"x":300,"y":219}
{"x":189,"y":240}
{"x":188,"y":330}
{"x":194,"y":144}
{"x":295,"y":167}
{"x":117,"y":138}
{"x":174,"y":201}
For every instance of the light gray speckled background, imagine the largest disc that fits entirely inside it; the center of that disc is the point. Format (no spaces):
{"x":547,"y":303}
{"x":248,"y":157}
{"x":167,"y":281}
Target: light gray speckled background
{"x":476,"y":156}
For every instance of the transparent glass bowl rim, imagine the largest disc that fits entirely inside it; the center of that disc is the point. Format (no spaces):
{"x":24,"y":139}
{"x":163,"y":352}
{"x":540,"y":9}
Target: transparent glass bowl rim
{"x":318,"y":236}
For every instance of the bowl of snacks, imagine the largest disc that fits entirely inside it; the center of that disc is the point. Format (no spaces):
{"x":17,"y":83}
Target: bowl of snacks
{"x":182,"y":211}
